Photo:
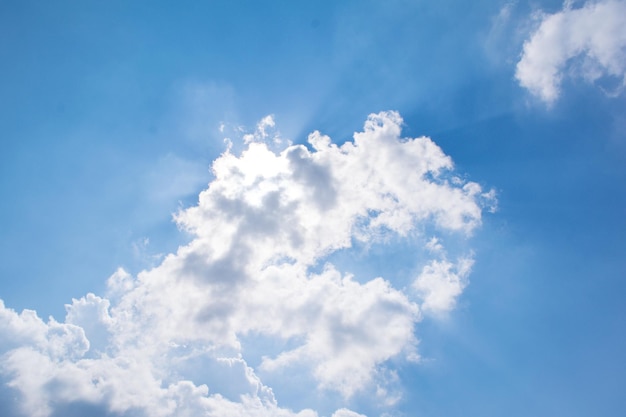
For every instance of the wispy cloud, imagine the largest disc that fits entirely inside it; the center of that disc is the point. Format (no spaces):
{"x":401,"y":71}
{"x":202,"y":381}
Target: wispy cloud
{"x":170,"y":341}
{"x":588,"y":42}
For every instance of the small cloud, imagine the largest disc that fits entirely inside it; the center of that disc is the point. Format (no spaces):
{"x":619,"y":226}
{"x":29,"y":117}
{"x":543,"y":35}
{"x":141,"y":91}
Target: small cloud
{"x":440,"y":283}
{"x":264,"y":125}
{"x":265,"y":132}
{"x":344,"y":412}
{"x":587,"y":43}
{"x":433,"y":245}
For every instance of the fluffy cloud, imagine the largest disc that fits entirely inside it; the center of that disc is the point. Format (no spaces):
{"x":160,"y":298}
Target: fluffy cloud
{"x":172,"y":340}
{"x":589,"y":42}
{"x":440,"y":283}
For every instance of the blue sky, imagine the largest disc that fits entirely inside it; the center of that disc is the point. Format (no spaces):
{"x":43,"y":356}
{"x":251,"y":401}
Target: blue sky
{"x":478,"y":272}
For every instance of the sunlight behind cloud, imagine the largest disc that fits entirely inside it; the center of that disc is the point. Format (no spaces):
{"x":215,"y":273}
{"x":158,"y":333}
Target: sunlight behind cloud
{"x":170,"y":341}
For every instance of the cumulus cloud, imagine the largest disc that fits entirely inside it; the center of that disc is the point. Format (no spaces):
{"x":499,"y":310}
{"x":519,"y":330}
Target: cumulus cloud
{"x":587,"y":42}
{"x":440,"y":283}
{"x":172,"y":340}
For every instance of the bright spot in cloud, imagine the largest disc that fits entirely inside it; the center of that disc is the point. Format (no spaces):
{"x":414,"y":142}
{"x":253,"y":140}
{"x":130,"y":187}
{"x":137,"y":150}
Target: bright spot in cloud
{"x":588,"y":43}
{"x":171,"y":341}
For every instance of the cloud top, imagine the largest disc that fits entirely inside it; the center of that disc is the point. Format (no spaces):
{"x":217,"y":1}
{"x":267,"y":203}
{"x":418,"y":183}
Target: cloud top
{"x":172,"y":340}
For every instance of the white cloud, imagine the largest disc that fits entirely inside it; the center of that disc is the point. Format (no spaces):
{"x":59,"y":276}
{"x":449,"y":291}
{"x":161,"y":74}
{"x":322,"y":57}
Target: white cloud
{"x":350,"y":327}
{"x":170,"y":341}
{"x":265,"y":132}
{"x":344,"y":412}
{"x":441,"y":282}
{"x":589,"y":42}
{"x":434,"y":245}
